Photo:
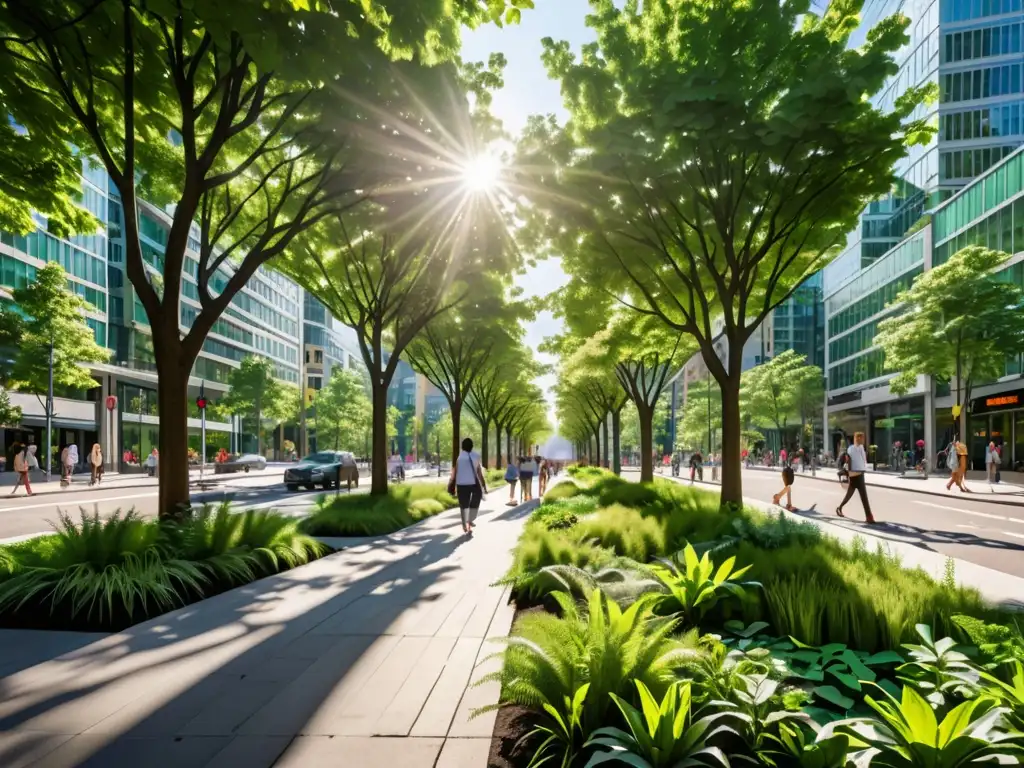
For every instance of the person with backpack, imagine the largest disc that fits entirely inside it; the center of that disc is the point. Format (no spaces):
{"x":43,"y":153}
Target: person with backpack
{"x":23,"y":462}
{"x":787,"y":487}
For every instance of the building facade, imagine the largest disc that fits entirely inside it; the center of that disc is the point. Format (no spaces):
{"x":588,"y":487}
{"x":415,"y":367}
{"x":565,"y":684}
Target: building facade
{"x":271,"y":316}
{"x":971,"y":51}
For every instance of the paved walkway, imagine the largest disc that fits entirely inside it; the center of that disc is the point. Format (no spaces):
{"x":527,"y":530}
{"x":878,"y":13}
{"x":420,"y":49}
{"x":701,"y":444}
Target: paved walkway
{"x":363,"y":659}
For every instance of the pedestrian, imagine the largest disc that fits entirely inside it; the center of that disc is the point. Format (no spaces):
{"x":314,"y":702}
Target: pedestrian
{"x":469,"y":484}
{"x":70,"y":455}
{"x":675,"y":464}
{"x":992,"y":462}
{"x":96,"y":464}
{"x":858,"y":466}
{"x":783,"y":456}
{"x":511,"y":477}
{"x":152,"y":462}
{"x":542,"y":477}
{"x":787,"y":488}
{"x":22,"y":464}
{"x":714,"y":467}
{"x":958,"y":466}
{"x":527,"y":469}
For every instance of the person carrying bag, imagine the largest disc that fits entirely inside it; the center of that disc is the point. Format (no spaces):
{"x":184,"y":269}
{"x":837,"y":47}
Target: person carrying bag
{"x":467,"y":483}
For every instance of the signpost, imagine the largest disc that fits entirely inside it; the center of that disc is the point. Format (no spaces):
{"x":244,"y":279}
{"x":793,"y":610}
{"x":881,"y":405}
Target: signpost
{"x":111,"y":407}
{"x":201,"y":404}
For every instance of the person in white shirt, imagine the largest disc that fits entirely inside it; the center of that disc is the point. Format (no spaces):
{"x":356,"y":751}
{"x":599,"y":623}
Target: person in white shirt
{"x":470,"y":485}
{"x":858,"y":466}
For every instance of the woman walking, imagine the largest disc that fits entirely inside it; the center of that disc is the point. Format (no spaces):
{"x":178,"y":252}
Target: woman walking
{"x":23,"y":462}
{"x":542,"y":477}
{"x":96,"y":464}
{"x":70,"y":456}
{"x":992,"y":461}
{"x":470,"y":485}
{"x":858,"y":466}
{"x":511,"y":477}
{"x":526,"y":470}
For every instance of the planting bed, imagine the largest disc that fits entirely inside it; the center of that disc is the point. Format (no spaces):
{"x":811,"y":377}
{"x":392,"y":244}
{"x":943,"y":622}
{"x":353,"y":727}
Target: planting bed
{"x":645,"y":609}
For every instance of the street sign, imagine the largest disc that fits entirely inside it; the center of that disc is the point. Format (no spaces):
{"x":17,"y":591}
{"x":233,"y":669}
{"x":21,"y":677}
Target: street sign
{"x":111,"y":402}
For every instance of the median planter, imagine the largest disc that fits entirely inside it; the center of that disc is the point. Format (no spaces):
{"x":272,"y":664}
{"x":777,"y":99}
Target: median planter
{"x":105,"y":575}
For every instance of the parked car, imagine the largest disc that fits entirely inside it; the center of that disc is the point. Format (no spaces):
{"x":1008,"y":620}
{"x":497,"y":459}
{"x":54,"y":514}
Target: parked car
{"x":323,"y":468}
{"x":242,"y":463}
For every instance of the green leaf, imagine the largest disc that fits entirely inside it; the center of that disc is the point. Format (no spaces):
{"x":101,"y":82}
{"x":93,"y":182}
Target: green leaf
{"x":832,"y":695}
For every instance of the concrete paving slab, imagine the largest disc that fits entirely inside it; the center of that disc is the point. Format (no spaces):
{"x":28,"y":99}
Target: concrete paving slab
{"x":464,"y":753}
{"x":401,"y":714}
{"x":439,"y":710}
{"x":364,"y":752}
{"x":250,"y":752}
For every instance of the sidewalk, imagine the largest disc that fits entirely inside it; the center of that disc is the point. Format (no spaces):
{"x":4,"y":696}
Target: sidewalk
{"x":934,"y":485}
{"x":995,"y":586}
{"x":365,"y":658}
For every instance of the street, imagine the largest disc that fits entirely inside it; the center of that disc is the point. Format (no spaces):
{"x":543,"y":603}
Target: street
{"x":960,"y":526}
{"x":25,"y":516}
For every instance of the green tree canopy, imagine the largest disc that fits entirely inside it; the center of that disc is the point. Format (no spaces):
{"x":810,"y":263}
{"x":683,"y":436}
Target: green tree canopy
{"x":251,"y":121}
{"x":703,"y":174}
{"x":44,"y":312}
{"x":343,"y":411}
{"x":782,"y":389}
{"x":256,"y":391}
{"x":958,"y":322}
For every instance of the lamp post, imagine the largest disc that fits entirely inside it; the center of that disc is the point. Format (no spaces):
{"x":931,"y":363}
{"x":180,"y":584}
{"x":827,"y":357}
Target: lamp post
{"x":49,"y":417}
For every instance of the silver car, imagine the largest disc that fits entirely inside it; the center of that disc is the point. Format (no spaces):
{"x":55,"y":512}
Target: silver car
{"x":243,"y":463}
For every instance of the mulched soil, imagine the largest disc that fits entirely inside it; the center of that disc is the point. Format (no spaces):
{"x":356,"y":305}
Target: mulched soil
{"x":512,"y":724}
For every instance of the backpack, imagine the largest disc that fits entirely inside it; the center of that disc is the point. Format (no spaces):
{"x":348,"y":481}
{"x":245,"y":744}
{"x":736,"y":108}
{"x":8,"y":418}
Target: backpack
{"x":787,"y":475}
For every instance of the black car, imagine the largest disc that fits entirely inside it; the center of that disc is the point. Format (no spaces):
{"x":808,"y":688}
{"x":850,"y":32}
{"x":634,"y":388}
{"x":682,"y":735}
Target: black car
{"x":323,"y":468}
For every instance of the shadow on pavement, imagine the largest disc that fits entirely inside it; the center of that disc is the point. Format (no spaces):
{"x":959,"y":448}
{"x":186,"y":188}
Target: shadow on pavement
{"x":235,"y":651}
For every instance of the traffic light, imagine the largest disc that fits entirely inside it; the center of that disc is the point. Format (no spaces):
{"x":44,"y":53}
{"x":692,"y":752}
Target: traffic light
{"x":201,"y":400}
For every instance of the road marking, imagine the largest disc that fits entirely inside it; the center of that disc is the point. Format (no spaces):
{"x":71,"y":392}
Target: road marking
{"x":972,"y":512}
{"x":70,"y":504}
{"x":1015,"y":535}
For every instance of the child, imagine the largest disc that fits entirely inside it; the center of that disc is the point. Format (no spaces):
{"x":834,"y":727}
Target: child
{"x":787,"y":488}
{"x":511,"y":476}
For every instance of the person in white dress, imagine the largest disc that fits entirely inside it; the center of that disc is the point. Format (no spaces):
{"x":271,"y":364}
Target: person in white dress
{"x":470,"y":485}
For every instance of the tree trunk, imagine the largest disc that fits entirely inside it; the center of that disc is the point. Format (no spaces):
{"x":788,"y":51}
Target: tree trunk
{"x":484,"y":458}
{"x":732,"y":481}
{"x":379,"y":449}
{"x":508,"y":442}
{"x":172,"y":393}
{"x":616,"y":452}
{"x":646,"y":415}
{"x":456,"y":412}
{"x":607,"y":459}
{"x":497,"y":442}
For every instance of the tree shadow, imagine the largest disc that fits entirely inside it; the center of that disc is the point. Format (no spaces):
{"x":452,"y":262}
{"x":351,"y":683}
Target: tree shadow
{"x":235,"y":640}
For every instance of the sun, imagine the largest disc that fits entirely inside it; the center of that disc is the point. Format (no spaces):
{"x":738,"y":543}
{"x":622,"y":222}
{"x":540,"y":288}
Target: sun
{"x":482,"y":173}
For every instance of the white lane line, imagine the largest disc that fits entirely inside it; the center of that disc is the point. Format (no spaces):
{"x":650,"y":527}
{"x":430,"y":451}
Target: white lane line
{"x":972,"y":512}
{"x":72,"y":504}
{"x":1015,"y":535}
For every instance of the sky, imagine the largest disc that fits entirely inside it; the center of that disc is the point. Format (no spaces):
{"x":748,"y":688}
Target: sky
{"x":528,"y":91}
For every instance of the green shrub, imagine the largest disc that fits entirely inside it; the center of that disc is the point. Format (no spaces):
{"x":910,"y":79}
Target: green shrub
{"x":625,"y":531}
{"x":365,"y":515}
{"x":562,"y":514}
{"x":563,"y":490}
{"x":548,"y":659}
{"x":495,"y":478}
{"x":127,"y":568}
{"x":695,"y":585}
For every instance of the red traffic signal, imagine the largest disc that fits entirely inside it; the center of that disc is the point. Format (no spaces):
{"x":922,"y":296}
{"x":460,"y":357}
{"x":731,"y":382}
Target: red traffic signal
{"x":201,"y":402}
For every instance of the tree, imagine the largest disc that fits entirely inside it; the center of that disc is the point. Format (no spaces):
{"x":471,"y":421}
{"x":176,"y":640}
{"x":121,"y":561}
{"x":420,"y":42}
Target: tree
{"x":456,"y":348}
{"x":702,"y":175}
{"x":589,"y":374}
{"x":646,"y":354}
{"x":417,"y":250}
{"x":958,"y":322}
{"x":46,"y":315}
{"x":247,"y":119}
{"x":343,"y":410}
{"x":782,"y":388}
{"x":10,"y":415}
{"x":256,"y":391}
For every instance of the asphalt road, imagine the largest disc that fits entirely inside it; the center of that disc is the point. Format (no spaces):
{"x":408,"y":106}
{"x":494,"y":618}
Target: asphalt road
{"x":963,"y":527}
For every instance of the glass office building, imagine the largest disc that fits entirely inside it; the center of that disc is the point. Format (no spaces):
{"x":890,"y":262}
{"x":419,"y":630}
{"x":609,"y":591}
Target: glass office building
{"x":971,"y":51}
